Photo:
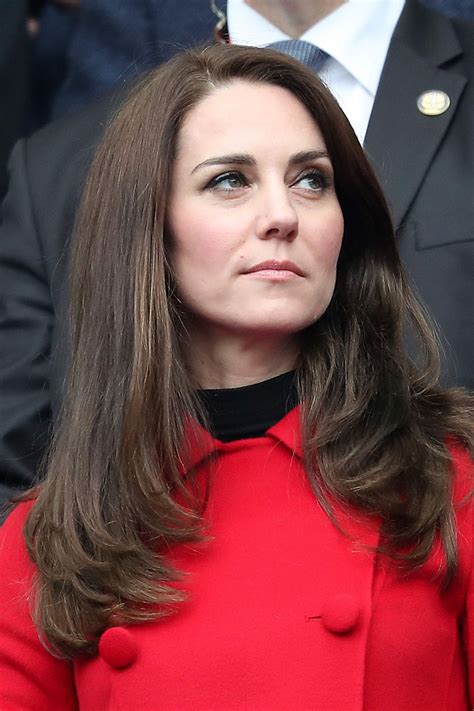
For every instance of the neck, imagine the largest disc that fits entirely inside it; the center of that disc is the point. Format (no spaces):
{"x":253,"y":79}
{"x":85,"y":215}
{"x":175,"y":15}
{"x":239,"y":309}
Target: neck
{"x":294,"y":17}
{"x":229,"y":361}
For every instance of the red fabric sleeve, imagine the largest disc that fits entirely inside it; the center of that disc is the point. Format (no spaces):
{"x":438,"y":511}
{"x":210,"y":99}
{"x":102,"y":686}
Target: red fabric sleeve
{"x":31,"y":679}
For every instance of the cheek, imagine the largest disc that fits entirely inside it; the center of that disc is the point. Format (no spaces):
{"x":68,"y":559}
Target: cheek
{"x":199,"y":242}
{"x":335,"y":243}
{"x":330,"y":242}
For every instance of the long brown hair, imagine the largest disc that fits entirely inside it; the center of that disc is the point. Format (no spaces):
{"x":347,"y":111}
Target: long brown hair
{"x":114,"y":499}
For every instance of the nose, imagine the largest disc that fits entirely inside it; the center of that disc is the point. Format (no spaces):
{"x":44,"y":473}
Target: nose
{"x":277,"y":217}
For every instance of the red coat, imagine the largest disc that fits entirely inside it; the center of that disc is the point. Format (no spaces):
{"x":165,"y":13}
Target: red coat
{"x":284,"y":613}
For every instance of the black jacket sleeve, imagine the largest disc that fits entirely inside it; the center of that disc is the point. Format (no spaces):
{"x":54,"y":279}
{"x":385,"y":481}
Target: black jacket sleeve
{"x":47,"y":173}
{"x":26,"y":317}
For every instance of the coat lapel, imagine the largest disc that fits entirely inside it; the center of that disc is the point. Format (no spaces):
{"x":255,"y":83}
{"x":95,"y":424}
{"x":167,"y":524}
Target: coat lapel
{"x":401,"y":141}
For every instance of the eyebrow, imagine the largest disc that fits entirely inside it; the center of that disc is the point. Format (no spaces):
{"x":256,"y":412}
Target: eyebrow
{"x":246,"y":159}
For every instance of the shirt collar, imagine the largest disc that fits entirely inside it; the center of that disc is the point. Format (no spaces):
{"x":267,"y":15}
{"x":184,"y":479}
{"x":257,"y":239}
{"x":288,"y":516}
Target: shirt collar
{"x":357,"y":34}
{"x":247,"y":27}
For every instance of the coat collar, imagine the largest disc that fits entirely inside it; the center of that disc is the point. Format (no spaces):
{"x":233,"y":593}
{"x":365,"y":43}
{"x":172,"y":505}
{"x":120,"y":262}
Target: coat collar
{"x":200,"y":444}
{"x":288,"y":432}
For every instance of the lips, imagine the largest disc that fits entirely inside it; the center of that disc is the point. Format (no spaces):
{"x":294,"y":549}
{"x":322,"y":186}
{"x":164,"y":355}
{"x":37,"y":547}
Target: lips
{"x":275,"y":265}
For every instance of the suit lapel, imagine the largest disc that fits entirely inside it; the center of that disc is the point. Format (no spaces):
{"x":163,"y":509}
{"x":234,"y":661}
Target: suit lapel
{"x":401,"y":141}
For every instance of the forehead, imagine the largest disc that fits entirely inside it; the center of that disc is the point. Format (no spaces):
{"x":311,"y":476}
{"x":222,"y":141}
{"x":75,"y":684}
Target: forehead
{"x":247,"y":115}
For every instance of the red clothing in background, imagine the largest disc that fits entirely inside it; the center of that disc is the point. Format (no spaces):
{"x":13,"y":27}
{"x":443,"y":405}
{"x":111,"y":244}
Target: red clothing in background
{"x":285,"y":613}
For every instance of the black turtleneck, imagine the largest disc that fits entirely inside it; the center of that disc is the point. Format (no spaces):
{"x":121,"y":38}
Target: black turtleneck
{"x":240,"y":413}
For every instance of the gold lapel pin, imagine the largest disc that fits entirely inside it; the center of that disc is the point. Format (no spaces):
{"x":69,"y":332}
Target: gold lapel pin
{"x":433,"y":102}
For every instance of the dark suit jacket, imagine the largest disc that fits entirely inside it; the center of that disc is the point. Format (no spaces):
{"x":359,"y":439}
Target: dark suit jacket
{"x":113,"y":41}
{"x":426,"y":164}
{"x":14,"y":79}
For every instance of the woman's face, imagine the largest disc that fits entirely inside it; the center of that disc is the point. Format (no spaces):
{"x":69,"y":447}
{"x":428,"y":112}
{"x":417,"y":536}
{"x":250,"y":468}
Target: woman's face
{"x":255,"y":223}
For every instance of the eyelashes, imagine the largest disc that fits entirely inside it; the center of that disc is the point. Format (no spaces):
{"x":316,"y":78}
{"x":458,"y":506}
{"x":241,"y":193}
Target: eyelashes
{"x":317,"y":180}
{"x":228,"y":181}
{"x":312,"y":180}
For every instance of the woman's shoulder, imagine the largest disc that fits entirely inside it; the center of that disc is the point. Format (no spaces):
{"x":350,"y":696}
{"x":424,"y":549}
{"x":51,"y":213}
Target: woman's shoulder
{"x":13,"y":551}
{"x":17,"y":516}
{"x":462,"y":470}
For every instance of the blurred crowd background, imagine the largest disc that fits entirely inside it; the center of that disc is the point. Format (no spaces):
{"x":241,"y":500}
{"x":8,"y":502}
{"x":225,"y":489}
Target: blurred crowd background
{"x":57,"y":55}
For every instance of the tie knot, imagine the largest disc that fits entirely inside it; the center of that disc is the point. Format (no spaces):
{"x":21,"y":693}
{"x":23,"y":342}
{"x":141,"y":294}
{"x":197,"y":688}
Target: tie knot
{"x":304,"y":52}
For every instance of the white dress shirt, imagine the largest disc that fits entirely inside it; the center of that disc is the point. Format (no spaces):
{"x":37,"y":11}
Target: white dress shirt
{"x":356,"y":36}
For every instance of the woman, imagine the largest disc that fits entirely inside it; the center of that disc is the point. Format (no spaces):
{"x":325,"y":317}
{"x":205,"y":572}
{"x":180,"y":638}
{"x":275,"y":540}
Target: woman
{"x":255,"y":499}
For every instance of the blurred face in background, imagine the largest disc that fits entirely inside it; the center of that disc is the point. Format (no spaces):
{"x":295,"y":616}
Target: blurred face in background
{"x":255,"y":223}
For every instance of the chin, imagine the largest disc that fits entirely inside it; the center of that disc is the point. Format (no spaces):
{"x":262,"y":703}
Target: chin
{"x":289,"y":323}
{"x":275,"y":327}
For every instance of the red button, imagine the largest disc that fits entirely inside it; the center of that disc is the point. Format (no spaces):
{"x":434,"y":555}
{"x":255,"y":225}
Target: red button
{"x":341,"y":614}
{"x":118,"y":647}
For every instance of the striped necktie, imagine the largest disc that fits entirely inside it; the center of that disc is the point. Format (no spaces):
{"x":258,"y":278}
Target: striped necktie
{"x":304,"y":52}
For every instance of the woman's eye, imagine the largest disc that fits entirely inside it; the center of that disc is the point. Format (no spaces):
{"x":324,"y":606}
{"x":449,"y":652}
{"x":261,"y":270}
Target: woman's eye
{"x":228,"y":181}
{"x":314,"y":181}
